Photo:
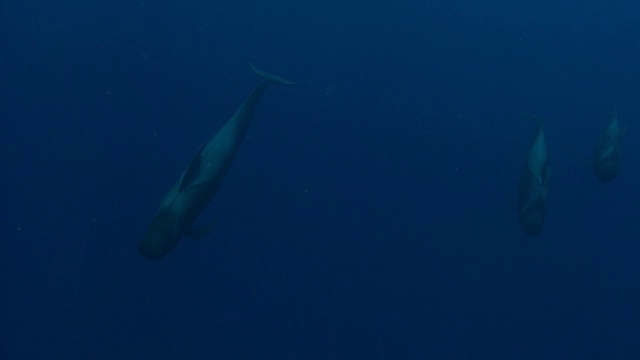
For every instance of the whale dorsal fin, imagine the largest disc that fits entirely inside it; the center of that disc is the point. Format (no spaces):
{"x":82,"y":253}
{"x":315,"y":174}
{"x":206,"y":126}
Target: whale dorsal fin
{"x":191,"y":172}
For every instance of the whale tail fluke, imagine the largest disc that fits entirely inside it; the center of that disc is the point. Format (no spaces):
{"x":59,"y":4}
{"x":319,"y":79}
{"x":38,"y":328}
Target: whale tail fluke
{"x":270,"y":77}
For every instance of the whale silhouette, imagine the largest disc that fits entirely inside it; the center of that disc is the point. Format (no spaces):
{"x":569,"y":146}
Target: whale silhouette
{"x":199,"y":182}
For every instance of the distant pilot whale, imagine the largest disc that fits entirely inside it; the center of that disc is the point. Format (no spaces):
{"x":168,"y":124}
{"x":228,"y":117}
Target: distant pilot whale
{"x":606,"y":154}
{"x":534,"y":184}
{"x":200,"y":181}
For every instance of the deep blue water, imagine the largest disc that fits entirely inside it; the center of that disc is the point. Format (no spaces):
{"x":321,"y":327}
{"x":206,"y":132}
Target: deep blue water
{"x":366,"y":215}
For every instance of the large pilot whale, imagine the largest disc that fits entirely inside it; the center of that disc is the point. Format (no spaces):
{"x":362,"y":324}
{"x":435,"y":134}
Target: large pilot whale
{"x":201,"y":179}
{"x":606,"y":154}
{"x":534,"y":184}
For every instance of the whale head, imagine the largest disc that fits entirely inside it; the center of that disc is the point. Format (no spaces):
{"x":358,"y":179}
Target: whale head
{"x":161,"y":237}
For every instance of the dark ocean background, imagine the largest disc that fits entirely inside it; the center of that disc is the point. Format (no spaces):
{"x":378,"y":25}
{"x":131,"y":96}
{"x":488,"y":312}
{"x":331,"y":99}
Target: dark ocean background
{"x":366,"y":215}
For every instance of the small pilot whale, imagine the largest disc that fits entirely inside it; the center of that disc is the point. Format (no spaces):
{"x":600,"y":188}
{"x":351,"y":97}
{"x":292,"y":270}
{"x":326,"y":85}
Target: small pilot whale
{"x":606,"y":154}
{"x":534,"y":184}
{"x":200,"y":181}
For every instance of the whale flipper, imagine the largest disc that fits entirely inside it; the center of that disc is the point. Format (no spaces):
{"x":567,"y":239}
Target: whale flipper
{"x":199,"y":232}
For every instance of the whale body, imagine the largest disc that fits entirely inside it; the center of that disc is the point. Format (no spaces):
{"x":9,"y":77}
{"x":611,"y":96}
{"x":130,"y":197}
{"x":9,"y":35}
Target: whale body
{"x":606,"y":158}
{"x":201,"y":179}
{"x":534,"y":185}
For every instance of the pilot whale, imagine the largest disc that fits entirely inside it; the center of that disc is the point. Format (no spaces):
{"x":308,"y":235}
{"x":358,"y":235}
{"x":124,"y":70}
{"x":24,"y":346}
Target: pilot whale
{"x":201,"y":179}
{"x":534,"y":184}
{"x":606,"y":154}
